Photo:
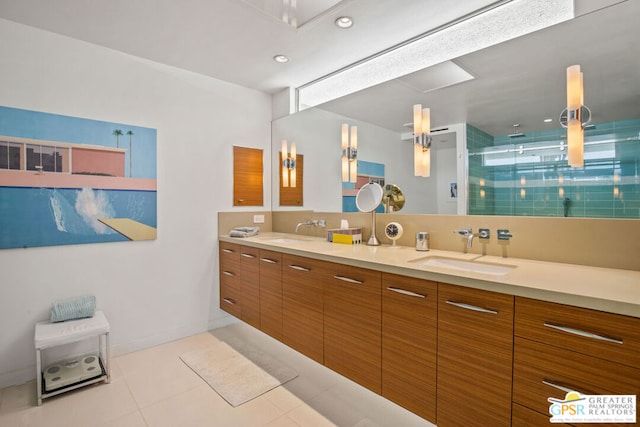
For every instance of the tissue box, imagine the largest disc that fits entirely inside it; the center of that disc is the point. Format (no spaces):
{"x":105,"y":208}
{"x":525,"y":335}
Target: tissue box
{"x":349,"y":236}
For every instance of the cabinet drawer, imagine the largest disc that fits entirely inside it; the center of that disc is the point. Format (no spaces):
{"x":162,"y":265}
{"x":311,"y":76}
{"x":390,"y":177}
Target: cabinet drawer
{"x":525,"y":417}
{"x":595,"y":333}
{"x":475,"y":355}
{"x":230,"y":298}
{"x":229,"y":252}
{"x":409,"y":340}
{"x":540,"y":370}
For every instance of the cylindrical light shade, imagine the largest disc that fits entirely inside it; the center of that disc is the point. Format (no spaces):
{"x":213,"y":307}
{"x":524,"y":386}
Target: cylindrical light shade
{"x":292,"y":179}
{"x":426,"y":120}
{"x":575,"y":133}
{"x":575,"y":144}
{"x":574,"y":88}
{"x":285,"y":170}
{"x":353,"y":143}
{"x":417,"y":119}
{"x":421,"y":161}
{"x":345,"y":136}
{"x":345,"y":169}
{"x":353,"y":170}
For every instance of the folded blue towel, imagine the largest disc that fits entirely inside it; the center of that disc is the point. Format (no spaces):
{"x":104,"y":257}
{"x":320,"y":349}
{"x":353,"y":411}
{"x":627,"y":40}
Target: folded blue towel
{"x":73,"y":308}
{"x":244,"y":232}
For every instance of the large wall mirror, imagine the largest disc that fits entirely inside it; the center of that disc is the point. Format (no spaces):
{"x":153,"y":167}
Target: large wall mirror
{"x":522,"y":81}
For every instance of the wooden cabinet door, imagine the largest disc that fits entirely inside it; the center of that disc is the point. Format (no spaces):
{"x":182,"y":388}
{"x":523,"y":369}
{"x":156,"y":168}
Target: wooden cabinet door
{"x":250,"y":282}
{"x":409,"y":339}
{"x":230,"y":287}
{"x":271,"y":293}
{"x":302,"y":305}
{"x":352,"y":324}
{"x":475,"y":354}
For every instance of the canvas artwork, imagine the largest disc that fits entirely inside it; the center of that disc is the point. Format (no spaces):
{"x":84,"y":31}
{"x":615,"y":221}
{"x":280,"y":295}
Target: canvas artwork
{"x":68,"y":180}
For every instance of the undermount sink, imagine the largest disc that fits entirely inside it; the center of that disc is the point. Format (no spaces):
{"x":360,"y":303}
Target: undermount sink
{"x":473,"y":266}
{"x":285,"y":240}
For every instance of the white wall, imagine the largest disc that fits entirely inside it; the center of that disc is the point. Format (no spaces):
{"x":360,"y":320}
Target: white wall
{"x":155,"y":291}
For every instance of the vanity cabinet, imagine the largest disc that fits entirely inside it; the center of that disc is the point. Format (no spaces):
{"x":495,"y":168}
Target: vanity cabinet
{"x":250,"y":284}
{"x":475,"y":349}
{"x":451,"y":354}
{"x":352,"y":323}
{"x":302,"y":305}
{"x":560,"y":348}
{"x":409,"y":340}
{"x":230,"y":286}
{"x":271,"y":293}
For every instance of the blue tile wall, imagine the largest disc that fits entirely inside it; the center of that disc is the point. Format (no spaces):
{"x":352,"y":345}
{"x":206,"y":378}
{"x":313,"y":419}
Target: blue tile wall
{"x":504,"y":180}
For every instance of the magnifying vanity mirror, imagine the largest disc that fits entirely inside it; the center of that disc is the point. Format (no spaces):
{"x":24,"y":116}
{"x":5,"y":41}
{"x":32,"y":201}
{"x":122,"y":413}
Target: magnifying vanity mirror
{"x":368,"y":199}
{"x":393,"y":198}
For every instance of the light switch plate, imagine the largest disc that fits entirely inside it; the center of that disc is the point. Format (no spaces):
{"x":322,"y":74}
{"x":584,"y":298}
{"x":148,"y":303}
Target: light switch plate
{"x":258,"y":219}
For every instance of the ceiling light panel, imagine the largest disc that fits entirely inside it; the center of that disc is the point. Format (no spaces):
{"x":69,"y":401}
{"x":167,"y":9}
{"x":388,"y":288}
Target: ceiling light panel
{"x":508,"y":21}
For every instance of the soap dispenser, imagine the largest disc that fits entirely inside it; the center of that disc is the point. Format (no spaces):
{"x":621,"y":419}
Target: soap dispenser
{"x":422,"y":241}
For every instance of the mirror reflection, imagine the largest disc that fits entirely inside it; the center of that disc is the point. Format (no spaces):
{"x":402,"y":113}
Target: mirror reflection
{"x":521,"y":82}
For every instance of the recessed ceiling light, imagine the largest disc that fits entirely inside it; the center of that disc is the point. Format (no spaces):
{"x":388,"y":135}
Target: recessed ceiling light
{"x":344,"y":22}
{"x":548,"y":120}
{"x":281,"y":58}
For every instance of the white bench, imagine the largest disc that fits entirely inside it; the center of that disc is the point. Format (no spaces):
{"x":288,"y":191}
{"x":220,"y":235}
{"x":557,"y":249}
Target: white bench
{"x":50,"y":335}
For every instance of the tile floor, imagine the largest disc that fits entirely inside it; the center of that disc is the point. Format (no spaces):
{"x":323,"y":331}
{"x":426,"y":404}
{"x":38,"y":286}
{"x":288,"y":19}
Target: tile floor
{"x":153,"y":387}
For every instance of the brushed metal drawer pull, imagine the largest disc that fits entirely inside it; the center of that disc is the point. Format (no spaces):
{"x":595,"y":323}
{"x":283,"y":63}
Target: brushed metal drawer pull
{"x":472,"y":307}
{"x":560,"y":387}
{"x":583,"y":333}
{"x":346,"y":279}
{"x":270,"y":261}
{"x":248,"y":255}
{"x":297,"y":267}
{"x":229,"y":301}
{"x":405,"y":292}
{"x":229,"y":251}
{"x":228,"y":273}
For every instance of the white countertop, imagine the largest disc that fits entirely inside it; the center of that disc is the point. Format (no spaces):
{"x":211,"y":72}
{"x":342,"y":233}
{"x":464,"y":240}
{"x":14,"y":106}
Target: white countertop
{"x":606,"y":289}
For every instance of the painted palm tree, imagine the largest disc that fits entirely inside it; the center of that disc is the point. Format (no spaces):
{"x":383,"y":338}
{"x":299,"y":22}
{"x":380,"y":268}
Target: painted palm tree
{"x":117,"y":133}
{"x":130,"y":133}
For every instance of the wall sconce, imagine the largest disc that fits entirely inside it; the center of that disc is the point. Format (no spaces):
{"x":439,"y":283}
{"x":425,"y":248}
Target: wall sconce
{"x":288,"y":165}
{"x":349,"y":153}
{"x":421,"y":141}
{"x":575,"y":117}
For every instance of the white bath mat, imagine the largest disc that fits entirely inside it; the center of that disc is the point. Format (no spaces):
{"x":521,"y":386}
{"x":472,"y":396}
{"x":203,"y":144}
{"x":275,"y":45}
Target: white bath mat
{"x":235,"y":376}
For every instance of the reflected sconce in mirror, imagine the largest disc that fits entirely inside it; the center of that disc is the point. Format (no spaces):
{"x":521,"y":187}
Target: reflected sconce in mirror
{"x":288,"y":165}
{"x":421,"y":141}
{"x":349,"y":153}
{"x":575,"y":117}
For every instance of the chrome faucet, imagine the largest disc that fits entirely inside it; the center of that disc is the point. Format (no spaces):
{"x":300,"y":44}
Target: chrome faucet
{"x":312,"y":223}
{"x":307,"y":223}
{"x":466,"y":232}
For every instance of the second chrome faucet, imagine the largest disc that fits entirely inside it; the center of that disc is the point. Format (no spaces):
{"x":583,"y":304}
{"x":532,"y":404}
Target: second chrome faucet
{"x":469,"y":234}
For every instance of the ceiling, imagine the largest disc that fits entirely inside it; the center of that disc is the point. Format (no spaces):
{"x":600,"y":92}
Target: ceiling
{"x":518,"y":81}
{"x":236,"y":40}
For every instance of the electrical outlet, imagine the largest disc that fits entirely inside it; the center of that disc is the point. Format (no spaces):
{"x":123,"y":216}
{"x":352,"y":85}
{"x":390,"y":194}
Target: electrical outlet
{"x":258,"y":219}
